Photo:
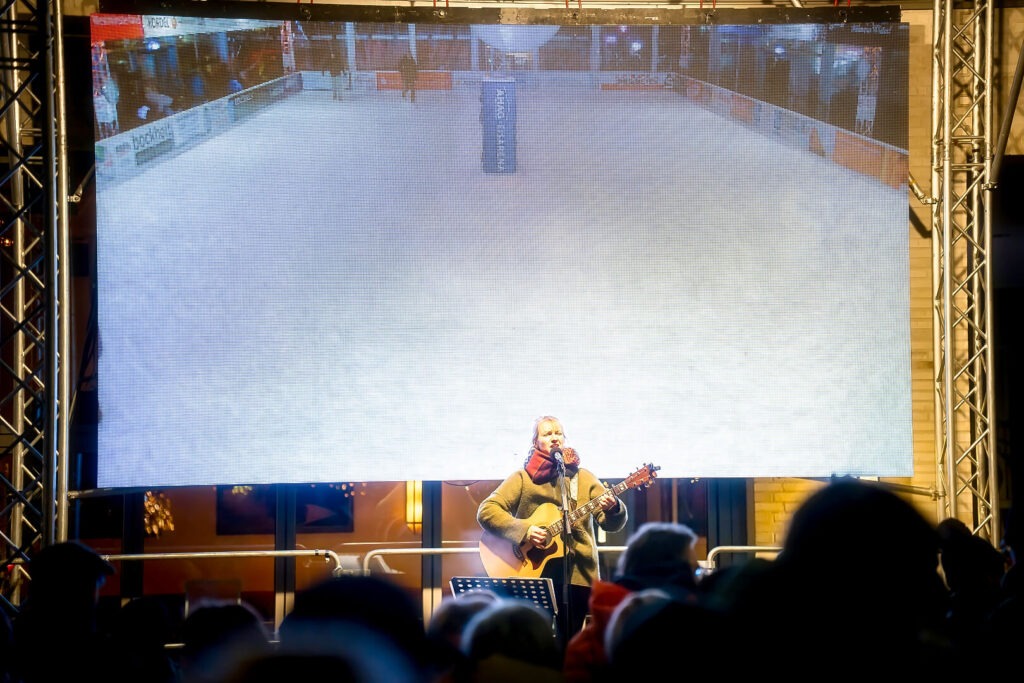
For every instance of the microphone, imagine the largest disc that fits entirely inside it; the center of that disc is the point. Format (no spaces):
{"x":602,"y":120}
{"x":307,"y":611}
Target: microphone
{"x":556,"y":453}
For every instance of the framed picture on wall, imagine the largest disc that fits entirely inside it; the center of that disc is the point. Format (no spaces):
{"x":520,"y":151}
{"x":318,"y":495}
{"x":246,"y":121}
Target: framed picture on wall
{"x":319,"y":508}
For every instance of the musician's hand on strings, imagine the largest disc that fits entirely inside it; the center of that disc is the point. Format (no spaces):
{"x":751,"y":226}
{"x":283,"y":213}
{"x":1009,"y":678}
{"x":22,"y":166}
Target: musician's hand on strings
{"x":537,"y":535}
{"x":608,"y":501}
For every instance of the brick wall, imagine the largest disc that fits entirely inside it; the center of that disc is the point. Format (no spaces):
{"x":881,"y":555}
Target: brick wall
{"x":1009,"y":39}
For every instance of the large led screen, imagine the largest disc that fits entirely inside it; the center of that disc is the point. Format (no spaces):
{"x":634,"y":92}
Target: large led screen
{"x":355,"y":251}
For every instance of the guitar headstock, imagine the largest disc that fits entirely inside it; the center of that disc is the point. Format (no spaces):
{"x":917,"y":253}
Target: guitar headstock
{"x":643,"y":477}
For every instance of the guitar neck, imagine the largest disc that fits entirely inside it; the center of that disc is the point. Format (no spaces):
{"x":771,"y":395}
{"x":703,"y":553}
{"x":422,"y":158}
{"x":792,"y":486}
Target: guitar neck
{"x":584,"y":510}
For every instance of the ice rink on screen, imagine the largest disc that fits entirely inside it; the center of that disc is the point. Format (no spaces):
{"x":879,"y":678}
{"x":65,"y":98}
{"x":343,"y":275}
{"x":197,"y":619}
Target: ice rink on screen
{"x":330,"y":279}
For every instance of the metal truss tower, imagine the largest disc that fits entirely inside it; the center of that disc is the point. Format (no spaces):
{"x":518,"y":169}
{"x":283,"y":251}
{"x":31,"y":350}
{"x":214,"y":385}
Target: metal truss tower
{"x":33,"y":285}
{"x":962,"y":152}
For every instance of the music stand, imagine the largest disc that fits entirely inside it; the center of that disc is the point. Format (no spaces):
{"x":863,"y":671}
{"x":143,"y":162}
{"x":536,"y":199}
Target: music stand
{"x":540,"y":592}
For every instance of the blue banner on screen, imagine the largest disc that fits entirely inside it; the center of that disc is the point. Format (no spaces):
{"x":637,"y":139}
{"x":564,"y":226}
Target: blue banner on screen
{"x":498,"y":116}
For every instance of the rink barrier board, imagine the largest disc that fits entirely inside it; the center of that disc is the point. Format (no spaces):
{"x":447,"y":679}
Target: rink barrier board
{"x":425,"y":80}
{"x":123,"y":155}
{"x":881,"y":161}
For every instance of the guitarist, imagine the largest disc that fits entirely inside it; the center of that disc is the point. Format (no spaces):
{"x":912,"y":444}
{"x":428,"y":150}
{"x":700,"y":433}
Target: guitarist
{"x":511,"y":510}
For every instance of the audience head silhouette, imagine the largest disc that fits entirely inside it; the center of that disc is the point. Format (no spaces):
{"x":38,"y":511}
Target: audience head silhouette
{"x":218,"y":633}
{"x":512,"y":640}
{"x":140,"y":631}
{"x":340,"y":652}
{"x":659,"y":554}
{"x":970,"y":564}
{"x":371,"y":602}
{"x":865,"y":546}
{"x":651,"y":627}
{"x":69,"y":574}
{"x":57,"y":633}
{"x":857,"y":582}
{"x":448,"y":624}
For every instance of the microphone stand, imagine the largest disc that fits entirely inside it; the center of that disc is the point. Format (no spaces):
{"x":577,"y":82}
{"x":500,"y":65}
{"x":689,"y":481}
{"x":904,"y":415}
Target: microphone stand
{"x":570,"y":553}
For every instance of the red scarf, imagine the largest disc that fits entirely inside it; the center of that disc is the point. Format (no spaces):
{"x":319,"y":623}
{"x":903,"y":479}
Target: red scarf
{"x":542,"y":468}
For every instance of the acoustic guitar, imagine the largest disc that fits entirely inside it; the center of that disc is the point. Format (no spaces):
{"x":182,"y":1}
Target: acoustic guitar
{"x":504,"y":559}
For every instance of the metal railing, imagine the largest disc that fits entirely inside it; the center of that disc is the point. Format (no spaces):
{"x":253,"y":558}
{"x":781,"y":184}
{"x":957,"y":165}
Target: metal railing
{"x":709,"y":565}
{"x":214,"y":554}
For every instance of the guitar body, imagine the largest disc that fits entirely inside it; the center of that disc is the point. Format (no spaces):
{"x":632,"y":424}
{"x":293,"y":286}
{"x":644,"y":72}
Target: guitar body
{"x":504,"y":559}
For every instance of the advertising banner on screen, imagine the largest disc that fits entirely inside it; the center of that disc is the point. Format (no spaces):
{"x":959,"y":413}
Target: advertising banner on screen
{"x":104,"y":27}
{"x":498,"y":116}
